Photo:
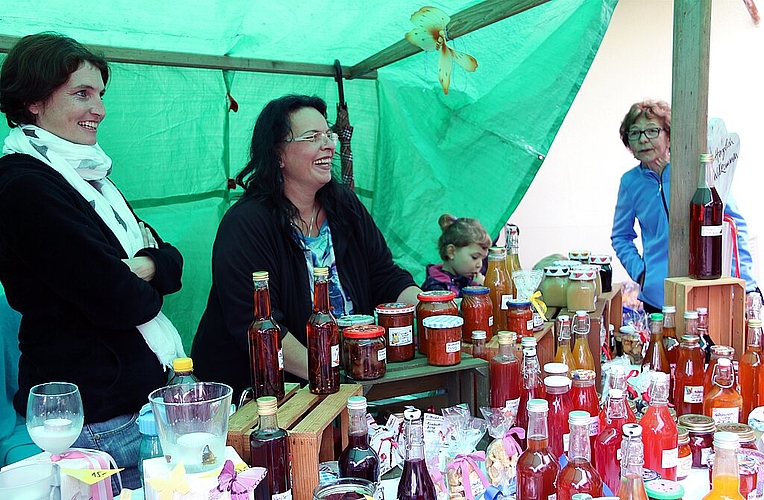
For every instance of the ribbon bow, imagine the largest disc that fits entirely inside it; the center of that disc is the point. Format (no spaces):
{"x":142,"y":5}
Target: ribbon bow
{"x":464,"y":462}
{"x":538,"y":304}
{"x":437,"y":477}
{"x":94,"y":458}
{"x":512,"y":445}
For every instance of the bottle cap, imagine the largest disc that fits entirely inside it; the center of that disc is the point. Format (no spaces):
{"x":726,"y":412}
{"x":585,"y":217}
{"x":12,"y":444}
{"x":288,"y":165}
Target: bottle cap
{"x":506,"y":337}
{"x":668,"y":309}
{"x":356,"y":403}
{"x":754,"y":322}
{"x":260,"y":275}
{"x":412,"y":414}
{"x":320,"y":271}
{"x":691,"y":315}
{"x":581,"y":496}
{"x":726,"y":440}
{"x":582,"y":313}
{"x":182,"y":365}
{"x":266,"y":405}
{"x":583,"y":375}
{"x":579,"y":417}
{"x":556,"y":369}
{"x":537,"y":405}
{"x":556,"y":381}
{"x":691,"y":339}
{"x":528,"y":342}
{"x":616,"y":393}
{"x":478,"y":334}
{"x":702,"y":310}
{"x":659,"y":377}
{"x":724,"y":362}
{"x":529,"y":351}
{"x":706,"y":157}
{"x":656,"y":317}
{"x":632,"y":430}
{"x":563,"y":318}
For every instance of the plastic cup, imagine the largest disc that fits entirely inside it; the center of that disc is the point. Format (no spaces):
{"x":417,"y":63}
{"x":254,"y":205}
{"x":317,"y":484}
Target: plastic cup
{"x":29,"y":482}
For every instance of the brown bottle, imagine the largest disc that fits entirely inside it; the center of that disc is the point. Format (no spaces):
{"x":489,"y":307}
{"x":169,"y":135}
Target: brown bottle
{"x":323,"y":339}
{"x":655,"y":359}
{"x":265,"y":355}
{"x":499,"y":286}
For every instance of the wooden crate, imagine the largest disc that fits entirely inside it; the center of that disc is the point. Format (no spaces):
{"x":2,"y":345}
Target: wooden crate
{"x":308,"y":419}
{"x":725,"y":300}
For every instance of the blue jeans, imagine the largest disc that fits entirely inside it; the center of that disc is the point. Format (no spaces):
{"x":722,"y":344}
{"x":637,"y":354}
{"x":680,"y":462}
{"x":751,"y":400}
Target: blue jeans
{"x":120,"y":438}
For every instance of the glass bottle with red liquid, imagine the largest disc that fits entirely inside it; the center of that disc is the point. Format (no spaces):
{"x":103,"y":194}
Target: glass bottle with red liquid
{"x":499,"y":285}
{"x":706,"y":218}
{"x":726,"y":476}
{"x":670,"y":340}
{"x":659,"y":432}
{"x":578,"y":475}
{"x":655,"y":358}
{"x":632,"y":486}
{"x":265,"y":355}
{"x":584,"y":398}
{"x":533,"y":387}
{"x":717,"y":352}
{"x":617,"y":380}
{"x":582,"y":355}
{"x":688,"y":387}
{"x":323,"y":339}
{"x":504,"y":375}
{"x":478,"y":344}
{"x":723,"y":403}
{"x":748,"y":369}
{"x":537,"y":467}
{"x":608,"y":441}
{"x":560,"y":405}
{"x":415,"y":482}
{"x":358,"y":459}
{"x":564,"y":353}
{"x":269,"y":448}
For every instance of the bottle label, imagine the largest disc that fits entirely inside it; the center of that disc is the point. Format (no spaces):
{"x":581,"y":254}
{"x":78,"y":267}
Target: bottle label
{"x":725,"y":415}
{"x":504,"y":301}
{"x":335,"y":362}
{"x":710,"y":231}
{"x":400,"y":335}
{"x":529,"y":324}
{"x":565,"y":442}
{"x":513,"y":405}
{"x":594,"y":426}
{"x":693,"y":394}
{"x":670,"y":458}
{"x":705,"y":454}
{"x":490,"y":320}
{"x":281,"y":359}
{"x":683,"y":467}
{"x":537,"y":320}
{"x":287,"y":495}
{"x":382,"y":354}
{"x":452,"y":347}
{"x":553,"y":496}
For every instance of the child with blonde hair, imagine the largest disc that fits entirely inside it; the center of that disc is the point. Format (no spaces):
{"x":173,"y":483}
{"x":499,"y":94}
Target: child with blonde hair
{"x":463,"y":245}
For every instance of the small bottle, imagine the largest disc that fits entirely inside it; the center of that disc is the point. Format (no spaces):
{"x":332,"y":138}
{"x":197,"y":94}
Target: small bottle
{"x":584,"y":397}
{"x":578,"y":475}
{"x":183,"y":372}
{"x":655,"y":358}
{"x":632,"y":485}
{"x":685,"y":453}
{"x":706,"y":217}
{"x":478,"y":344}
{"x":150,"y":446}
{"x":564,"y":353}
{"x":748,"y":369}
{"x":717,"y":352}
{"x":688,"y":387}
{"x":608,"y":442}
{"x":323,"y":339}
{"x":504,"y":371}
{"x":617,"y":380}
{"x":265,"y":355}
{"x":670,"y":340}
{"x":182,"y":388}
{"x":659,"y":432}
{"x":358,"y":459}
{"x":726,"y":478}
{"x":723,"y":403}
{"x":499,"y":285}
{"x":269,"y":448}
{"x":537,"y":467}
{"x":582,"y":355}
{"x":533,"y":386}
{"x":415,"y":482}
{"x":560,"y":405}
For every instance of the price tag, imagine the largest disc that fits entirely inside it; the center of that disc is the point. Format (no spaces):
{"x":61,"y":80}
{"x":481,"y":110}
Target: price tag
{"x":90,"y":476}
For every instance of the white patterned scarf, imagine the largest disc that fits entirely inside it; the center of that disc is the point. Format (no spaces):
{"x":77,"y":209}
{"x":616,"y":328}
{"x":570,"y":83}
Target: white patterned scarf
{"x":86,"y":168}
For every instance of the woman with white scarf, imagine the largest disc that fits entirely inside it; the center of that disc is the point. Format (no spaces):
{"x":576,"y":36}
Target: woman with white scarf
{"x":87,"y":276}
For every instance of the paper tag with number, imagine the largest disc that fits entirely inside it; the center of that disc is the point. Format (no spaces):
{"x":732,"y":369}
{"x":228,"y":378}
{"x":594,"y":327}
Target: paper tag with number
{"x":90,"y":476}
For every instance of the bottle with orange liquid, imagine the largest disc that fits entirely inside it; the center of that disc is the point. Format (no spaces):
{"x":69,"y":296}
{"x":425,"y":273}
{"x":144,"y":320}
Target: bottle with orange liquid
{"x":688,"y":389}
{"x":655,"y":358}
{"x":659,"y":432}
{"x":500,"y":287}
{"x":608,"y":441}
{"x":582,"y":355}
{"x":537,"y":467}
{"x":748,"y":369}
{"x":533,"y":386}
{"x":513,"y":250}
{"x":632,"y":486}
{"x":584,"y":397}
{"x":578,"y":475}
{"x":717,"y":352}
{"x":504,"y":374}
{"x":723,"y":403}
{"x":726,"y":478}
{"x":564,"y":354}
{"x":560,"y":405}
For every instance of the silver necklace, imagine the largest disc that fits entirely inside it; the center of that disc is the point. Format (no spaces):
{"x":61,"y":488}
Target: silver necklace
{"x":312,"y":220}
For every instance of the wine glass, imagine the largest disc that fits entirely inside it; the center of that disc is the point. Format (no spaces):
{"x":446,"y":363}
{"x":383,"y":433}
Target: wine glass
{"x":54,"y":416}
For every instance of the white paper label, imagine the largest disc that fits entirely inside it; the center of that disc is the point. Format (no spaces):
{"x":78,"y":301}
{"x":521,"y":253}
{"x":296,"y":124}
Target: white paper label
{"x":705,"y":453}
{"x":452,"y":347}
{"x":281,"y":359}
{"x":618,"y":454}
{"x":594,"y":426}
{"x":670,"y":458}
{"x":513,"y":405}
{"x":537,"y":320}
{"x":529,"y":324}
{"x":693,"y":394}
{"x":490,"y":320}
{"x":725,"y":415}
{"x":565,"y":442}
{"x":504,"y":300}
{"x":382,"y":354}
{"x":683,"y":467}
{"x":710,"y":231}
{"x":335,"y":362}
{"x":400,"y":335}
{"x":287,"y":495}
{"x":553,"y":496}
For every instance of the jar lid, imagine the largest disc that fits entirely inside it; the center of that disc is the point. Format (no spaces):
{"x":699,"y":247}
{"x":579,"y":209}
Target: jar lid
{"x":556,"y":381}
{"x":664,"y":489}
{"x":583,"y":273}
{"x":649,"y":475}
{"x":578,"y":417}
{"x":394,"y":308}
{"x":478,"y":334}
{"x":744,"y":431}
{"x":697,"y":423}
{"x":363,"y":332}
{"x":443,"y":321}
{"x":579,"y":254}
{"x":556,"y":271}
{"x":683,"y":434}
{"x":583,"y":375}
{"x":566,"y":263}
{"x":599,"y":259}
{"x":355,"y":320}
{"x":556,"y":368}
{"x":518,"y":303}
{"x":474,"y":290}
{"x":668,"y":309}
{"x":436,"y":296}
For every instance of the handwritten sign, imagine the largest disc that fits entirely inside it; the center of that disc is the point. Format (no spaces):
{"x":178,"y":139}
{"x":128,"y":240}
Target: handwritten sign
{"x":726,"y":149}
{"x":90,"y":476}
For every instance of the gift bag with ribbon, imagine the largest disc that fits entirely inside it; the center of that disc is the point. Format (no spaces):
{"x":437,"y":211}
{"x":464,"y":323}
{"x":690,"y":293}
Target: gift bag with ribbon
{"x":465,"y":469}
{"x":504,"y":451}
{"x":86,"y":474}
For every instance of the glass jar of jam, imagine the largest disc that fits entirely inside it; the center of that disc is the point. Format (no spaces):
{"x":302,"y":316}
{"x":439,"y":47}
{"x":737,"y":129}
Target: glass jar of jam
{"x":580,"y":256}
{"x":398,"y":321}
{"x":744,"y":431}
{"x":701,"y":430}
{"x":685,"y":453}
{"x":520,"y":317}
{"x":554,"y":286}
{"x":433,"y":303}
{"x":444,"y":334}
{"x":664,"y":489}
{"x":350,"y":320}
{"x":606,"y":270}
{"x":581,"y":292}
{"x":365,"y":352}
{"x":477,"y":311}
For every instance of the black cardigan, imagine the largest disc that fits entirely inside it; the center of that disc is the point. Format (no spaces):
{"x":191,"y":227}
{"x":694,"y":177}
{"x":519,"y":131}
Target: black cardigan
{"x":61,"y":269}
{"x":249,"y":239}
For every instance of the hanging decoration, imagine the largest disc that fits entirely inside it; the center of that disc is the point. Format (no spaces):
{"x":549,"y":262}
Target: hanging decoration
{"x":431,"y":34}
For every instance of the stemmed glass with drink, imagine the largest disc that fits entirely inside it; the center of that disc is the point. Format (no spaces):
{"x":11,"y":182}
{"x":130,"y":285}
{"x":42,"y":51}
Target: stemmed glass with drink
{"x":54,"y":416}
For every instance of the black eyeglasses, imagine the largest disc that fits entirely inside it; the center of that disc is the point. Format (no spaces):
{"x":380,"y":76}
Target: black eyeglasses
{"x":650,"y":133}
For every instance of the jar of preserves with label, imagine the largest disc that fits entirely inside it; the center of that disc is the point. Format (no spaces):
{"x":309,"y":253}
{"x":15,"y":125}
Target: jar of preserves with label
{"x":554,"y":286}
{"x":350,"y":320}
{"x":477,"y":311}
{"x":701,"y":430}
{"x":433,"y":303}
{"x":520,"y":317}
{"x":581,"y":292}
{"x":744,"y":431}
{"x":398,"y":321}
{"x":580,"y":256}
{"x":685,"y":453}
{"x":365,"y":352}
{"x":445,"y":337}
{"x":606,"y":270}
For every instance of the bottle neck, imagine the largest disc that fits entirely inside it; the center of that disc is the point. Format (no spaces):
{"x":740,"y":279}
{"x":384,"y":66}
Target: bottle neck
{"x":414,"y":440}
{"x":564,"y":335}
{"x":669,"y":321}
{"x":507,"y":351}
{"x":268,"y":422}
{"x":722,"y":376}
{"x":656,"y":331}
{"x":754,"y":337}
{"x":262,"y":301}
{"x":690,"y":326}
{"x":358,"y":425}
{"x":725,"y":462}
{"x":616,"y":408}
{"x":321,"y":295}
{"x":580,"y":446}
{"x":537,"y":425}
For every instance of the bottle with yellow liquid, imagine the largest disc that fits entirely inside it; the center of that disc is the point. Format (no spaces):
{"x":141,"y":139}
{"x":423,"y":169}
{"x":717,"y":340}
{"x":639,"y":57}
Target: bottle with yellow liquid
{"x":726,"y":479}
{"x":582,"y":355}
{"x":499,"y":286}
{"x":564,"y":355}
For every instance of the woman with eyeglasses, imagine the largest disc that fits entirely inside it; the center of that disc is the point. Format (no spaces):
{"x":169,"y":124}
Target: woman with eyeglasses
{"x":644,"y":196}
{"x":294,"y":215}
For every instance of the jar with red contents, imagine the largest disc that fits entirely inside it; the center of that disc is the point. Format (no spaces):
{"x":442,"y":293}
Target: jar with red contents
{"x":584,"y":397}
{"x":701,"y":430}
{"x":744,"y":431}
{"x":398,"y":321}
{"x":444,"y":334}
{"x":365,"y":352}
{"x":520,"y":317}
{"x":477,"y":311}
{"x":433,"y":303}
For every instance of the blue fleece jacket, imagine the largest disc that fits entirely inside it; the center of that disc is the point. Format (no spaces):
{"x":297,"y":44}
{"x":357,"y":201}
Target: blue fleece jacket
{"x":644,"y":196}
